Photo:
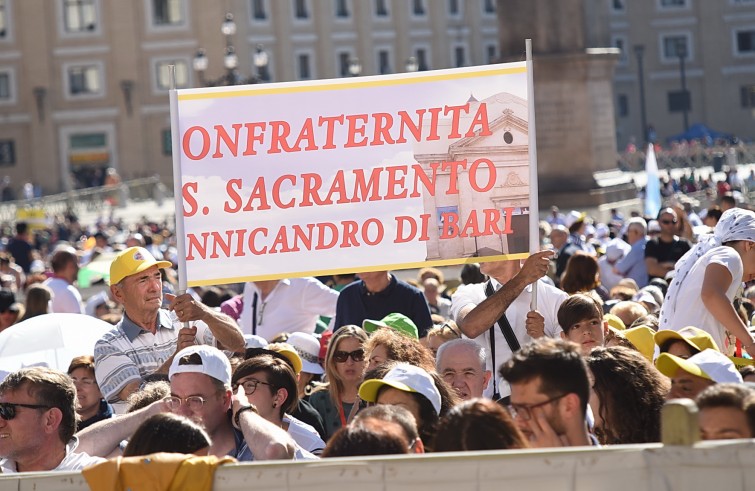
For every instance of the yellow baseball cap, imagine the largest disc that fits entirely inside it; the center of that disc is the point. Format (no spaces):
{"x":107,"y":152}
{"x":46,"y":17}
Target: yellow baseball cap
{"x":696,"y":338}
{"x":289,"y":352}
{"x":132,"y":261}
{"x":614,"y":321}
{"x":641,"y":338}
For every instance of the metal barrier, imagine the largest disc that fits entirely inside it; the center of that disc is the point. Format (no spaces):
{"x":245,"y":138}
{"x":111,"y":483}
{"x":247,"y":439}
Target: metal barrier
{"x":90,"y":199}
{"x":690,"y":156}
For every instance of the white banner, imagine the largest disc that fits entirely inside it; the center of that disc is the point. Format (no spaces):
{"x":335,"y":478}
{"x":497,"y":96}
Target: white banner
{"x":349,"y":175}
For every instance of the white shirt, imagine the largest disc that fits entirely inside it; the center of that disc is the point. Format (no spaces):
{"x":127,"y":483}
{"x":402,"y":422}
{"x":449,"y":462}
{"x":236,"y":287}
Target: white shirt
{"x":65,"y":297}
{"x":608,"y":278}
{"x":294,"y":305}
{"x":304,"y":435}
{"x":690,"y":310}
{"x":549,"y":300}
{"x":71,"y":462}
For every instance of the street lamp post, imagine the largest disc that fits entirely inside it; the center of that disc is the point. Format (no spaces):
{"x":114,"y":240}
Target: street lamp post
{"x":231,"y":60}
{"x":681,"y":52}
{"x":639,"y":51}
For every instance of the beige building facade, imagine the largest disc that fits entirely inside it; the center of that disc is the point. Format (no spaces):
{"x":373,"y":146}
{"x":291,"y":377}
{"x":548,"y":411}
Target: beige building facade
{"x":84,"y":83}
{"x":717,"y":41}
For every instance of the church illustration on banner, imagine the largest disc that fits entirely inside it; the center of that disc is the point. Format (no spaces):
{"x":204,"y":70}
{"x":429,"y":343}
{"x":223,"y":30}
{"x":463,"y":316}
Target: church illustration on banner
{"x":452,"y":234}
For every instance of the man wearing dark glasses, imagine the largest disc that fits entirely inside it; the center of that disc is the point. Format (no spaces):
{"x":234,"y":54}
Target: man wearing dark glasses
{"x":37,"y":422}
{"x":662,"y":252}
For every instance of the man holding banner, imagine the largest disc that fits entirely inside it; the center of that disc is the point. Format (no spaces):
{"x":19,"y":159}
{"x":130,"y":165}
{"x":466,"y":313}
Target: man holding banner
{"x":507,"y":295}
{"x":147,"y":337}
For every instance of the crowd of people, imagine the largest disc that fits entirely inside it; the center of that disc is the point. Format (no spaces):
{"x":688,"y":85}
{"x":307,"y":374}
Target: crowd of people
{"x":630,"y":313}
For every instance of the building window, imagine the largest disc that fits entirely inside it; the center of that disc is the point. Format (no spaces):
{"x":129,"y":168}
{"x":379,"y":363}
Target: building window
{"x":167,"y":12}
{"x":258,"y":10}
{"x":381,"y":8}
{"x":79,"y":15}
{"x":617,"y":6}
{"x":622,"y":105}
{"x":343,"y":63}
{"x":342,"y":9}
{"x":490,"y":53}
{"x":421,"y":54}
{"x":489,"y":6}
{"x":300,"y":9}
{"x":453,"y":8}
{"x":418,"y":7}
{"x":3,"y":19}
{"x":162,"y":74}
{"x":302,"y":63}
{"x":459,"y":56}
{"x":666,"y":4}
{"x":746,"y":42}
{"x":167,"y":142}
{"x":84,"y":80}
{"x":675,"y":45}
{"x":7,"y":153}
{"x":748,"y":96}
{"x":384,"y":62}
{"x":5,"y":88}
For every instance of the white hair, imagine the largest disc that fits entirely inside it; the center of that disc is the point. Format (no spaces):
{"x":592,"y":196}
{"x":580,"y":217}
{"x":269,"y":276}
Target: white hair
{"x":479,"y":351}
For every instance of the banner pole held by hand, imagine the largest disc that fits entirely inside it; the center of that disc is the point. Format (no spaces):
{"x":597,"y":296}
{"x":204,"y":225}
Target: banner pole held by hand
{"x":534,"y":202}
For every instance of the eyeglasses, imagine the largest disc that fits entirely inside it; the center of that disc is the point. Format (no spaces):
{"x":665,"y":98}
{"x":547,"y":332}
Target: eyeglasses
{"x":86,"y":382}
{"x":250,"y":385}
{"x":194,"y":403}
{"x":524,"y":411}
{"x":356,"y":355}
{"x":454,"y":331}
{"x":8,"y":409}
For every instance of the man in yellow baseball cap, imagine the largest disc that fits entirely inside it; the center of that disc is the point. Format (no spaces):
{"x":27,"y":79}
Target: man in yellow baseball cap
{"x":148,"y":336}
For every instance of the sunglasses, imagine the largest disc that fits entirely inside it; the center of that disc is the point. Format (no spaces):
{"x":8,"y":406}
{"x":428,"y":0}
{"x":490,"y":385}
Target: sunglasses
{"x":342,"y":356}
{"x":668,"y":222}
{"x":8,"y":409}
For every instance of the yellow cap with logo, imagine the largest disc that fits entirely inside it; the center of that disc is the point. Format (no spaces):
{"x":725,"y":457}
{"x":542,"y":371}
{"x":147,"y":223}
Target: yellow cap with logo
{"x":132,"y":261}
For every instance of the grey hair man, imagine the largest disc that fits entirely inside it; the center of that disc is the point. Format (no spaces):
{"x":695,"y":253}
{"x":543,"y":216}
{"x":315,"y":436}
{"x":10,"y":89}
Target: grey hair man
{"x":462,"y":364}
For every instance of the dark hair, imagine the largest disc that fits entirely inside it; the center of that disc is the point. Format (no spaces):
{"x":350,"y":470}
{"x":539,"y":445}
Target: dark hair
{"x":280,"y":375}
{"x":151,"y":392}
{"x":749,"y":407}
{"x":50,"y":387}
{"x":649,"y":320}
{"x":724,"y":395}
{"x":351,"y":442}
{"x":213,"y":296}
{"x":577,"y":308}
{"x":86,"y":362}
{"x":62,"y":258}
{"x":714,"y":212}
{"x":747,"y":370}
{"x":581,"y":273}
{"x":167,"y":432}
{"x":558,"y":364}
{"x":728,"y":198}
{"x":478,"y":424}
{"x":631,"y":393}
{"x":401,"y":348}
{"x":660,"y":283}
{"x":470,"y":274}
{"x":21,"y":228}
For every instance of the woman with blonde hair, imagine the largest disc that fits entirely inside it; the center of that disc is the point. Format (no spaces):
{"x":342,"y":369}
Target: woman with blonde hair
{"x":344,"y":364}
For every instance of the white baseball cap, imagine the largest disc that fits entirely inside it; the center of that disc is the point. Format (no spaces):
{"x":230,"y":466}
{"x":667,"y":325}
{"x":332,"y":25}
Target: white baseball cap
{"x":404,"y":377}
{"x":709,"y":364}
{"x":308,"y":348}
{"x":214,"y":363}
{"x":254,"y":341}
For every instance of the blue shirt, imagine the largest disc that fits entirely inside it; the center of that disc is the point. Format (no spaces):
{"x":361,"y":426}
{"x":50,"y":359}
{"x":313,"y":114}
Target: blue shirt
{"x":633,"y":264}
{"x":356,"y":303}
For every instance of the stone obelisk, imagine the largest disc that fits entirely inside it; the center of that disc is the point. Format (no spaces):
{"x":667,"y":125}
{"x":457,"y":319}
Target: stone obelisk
{"x":576,"y":133}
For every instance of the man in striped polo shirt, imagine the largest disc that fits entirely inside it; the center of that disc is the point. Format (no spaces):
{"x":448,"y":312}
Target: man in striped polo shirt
{"x":146,"y":339}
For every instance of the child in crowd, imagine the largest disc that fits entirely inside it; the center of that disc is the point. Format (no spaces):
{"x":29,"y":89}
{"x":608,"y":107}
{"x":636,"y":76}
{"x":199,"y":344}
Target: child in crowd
{"x":581,"y":318}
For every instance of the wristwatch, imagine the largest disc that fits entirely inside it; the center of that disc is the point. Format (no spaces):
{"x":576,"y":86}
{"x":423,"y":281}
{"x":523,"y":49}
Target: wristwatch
{"x":237,"y":416}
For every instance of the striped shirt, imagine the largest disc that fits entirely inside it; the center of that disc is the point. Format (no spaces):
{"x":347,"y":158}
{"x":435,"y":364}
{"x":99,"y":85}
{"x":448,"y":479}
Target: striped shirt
{"x":129,"y":353}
